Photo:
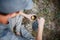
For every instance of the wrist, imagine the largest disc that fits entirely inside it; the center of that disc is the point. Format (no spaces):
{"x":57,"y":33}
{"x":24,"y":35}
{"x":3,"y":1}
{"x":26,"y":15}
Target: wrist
{"x":23,"y":14}
{"x":40,"y":25}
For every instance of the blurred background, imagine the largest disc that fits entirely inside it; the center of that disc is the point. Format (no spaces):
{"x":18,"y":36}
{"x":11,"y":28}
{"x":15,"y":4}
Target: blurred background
{"x":50,"y":10}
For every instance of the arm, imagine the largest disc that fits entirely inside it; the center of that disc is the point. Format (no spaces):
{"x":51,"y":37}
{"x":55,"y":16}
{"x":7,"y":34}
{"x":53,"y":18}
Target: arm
{"x":28,"y":16}
{"x":41,"y":22}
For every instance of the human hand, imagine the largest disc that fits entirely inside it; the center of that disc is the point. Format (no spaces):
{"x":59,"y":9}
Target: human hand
{"x":41,"y":21}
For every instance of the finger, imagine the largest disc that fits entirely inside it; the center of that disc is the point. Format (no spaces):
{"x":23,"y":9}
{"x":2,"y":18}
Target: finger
{"x":41,"y":21}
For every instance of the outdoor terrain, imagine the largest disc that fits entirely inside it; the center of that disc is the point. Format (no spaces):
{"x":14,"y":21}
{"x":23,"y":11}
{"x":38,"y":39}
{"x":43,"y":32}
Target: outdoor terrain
{"x":50,"y":10}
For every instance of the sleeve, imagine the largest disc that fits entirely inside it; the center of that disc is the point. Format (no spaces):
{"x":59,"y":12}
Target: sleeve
{"x":29,"y":5}
{"x":26,"y":34}
{"x":19,"y":22}
{"x":20,"y":28}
